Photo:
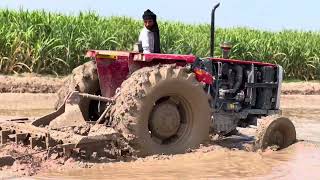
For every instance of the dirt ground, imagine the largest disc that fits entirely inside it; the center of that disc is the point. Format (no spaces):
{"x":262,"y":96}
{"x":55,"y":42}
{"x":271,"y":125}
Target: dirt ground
{"x":32,"y":83}
{"x":29,"y":83}
{"x":38,"y":95}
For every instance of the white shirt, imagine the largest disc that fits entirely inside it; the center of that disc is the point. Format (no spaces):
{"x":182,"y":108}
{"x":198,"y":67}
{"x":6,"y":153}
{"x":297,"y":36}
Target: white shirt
{"x":147,"y":40}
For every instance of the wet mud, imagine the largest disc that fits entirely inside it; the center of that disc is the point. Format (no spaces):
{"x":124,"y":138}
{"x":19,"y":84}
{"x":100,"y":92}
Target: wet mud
{"x":33,"y":83}
{"x":29,"y":83}
{"x":229,"y":158}
{"x":296,"y":162}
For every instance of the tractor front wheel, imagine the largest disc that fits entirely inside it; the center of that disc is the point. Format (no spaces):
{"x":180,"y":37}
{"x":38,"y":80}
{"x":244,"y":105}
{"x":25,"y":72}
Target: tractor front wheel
{"x":275,"y":131}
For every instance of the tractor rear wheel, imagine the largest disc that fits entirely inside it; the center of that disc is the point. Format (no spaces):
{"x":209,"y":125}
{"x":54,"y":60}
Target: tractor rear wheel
{"x":275,"y":131}
{"x":84,"y":79}
{"x":162,"y":110}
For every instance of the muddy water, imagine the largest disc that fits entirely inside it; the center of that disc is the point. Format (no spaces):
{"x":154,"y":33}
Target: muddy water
{"x":26,"y":104}
{"x":307,"y":123}
{"x":24,"y":113}
{"x":300,"y":161}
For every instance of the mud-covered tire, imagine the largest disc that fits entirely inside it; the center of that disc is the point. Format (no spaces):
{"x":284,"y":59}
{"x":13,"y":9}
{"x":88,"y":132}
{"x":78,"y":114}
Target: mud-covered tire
{"x":275,"y":131}
{"x":140,"y":94}
{"x":84,"y":79}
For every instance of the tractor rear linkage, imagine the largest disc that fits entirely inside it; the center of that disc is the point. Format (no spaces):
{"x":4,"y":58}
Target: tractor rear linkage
{"x":27,"y":132}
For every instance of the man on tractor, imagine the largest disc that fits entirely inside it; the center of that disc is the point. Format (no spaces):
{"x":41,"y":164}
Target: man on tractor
{"x":149,"y":35}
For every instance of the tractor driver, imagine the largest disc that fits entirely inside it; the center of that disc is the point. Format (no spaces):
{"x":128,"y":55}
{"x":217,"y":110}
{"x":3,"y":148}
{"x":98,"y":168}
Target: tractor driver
{"x":149,"y":36}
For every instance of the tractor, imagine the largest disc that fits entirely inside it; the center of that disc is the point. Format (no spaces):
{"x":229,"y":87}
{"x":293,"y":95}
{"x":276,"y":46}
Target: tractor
{"x":161,"y":103}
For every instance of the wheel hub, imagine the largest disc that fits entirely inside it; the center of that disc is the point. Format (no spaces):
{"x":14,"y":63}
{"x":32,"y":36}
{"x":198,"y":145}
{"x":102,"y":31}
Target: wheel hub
{"x":277,"y":138}
{"x":165,"y":120}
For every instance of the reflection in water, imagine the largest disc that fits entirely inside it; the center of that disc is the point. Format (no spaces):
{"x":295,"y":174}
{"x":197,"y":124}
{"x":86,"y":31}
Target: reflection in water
{"x":300,"y":161}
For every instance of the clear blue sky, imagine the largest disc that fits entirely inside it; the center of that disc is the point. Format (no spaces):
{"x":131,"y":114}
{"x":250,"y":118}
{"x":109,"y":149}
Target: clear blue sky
{"x":260,"y":14}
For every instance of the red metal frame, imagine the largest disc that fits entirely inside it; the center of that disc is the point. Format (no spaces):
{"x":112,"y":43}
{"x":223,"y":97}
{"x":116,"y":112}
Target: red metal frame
{"x":114,"y":66}
{"x":111,"y":74}
{"x":168,"y":57}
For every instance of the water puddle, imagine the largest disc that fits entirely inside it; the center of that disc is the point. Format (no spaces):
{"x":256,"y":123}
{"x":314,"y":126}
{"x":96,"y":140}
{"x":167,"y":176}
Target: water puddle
{"x":24,"y":113}
{"x":301,"y":160}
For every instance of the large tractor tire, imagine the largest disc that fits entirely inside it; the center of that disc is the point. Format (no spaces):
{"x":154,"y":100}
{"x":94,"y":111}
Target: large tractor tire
{"x":275,"y":131}
{"x":84,"y":79}
{"x":162,"y":110}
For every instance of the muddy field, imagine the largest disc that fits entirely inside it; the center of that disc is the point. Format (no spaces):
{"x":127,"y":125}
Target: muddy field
{"x":230,"y":158}
{"x":32,"y":83}
{"x":29,"y":83}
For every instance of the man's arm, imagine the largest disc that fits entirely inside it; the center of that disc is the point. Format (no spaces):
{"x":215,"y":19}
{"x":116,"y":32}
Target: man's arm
{"x":144,"y":39}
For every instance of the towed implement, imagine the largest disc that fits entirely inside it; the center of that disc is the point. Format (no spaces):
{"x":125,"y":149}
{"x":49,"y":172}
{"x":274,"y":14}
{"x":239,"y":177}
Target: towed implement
{"x":65,"y":130}
{"x":158,"y":103}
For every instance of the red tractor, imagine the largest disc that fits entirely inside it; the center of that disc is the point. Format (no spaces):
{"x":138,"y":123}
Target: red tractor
{"x":164,"y":103}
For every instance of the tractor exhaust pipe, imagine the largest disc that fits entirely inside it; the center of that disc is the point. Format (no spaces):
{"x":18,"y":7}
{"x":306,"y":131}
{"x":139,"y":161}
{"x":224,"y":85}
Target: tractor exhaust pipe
{"x":213,"y":30}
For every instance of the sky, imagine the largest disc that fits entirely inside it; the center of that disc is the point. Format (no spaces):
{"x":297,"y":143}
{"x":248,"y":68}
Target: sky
{"x":273,"y":15}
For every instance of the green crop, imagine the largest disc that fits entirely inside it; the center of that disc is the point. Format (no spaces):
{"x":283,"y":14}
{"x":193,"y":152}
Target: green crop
{"x":46,"y":43}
